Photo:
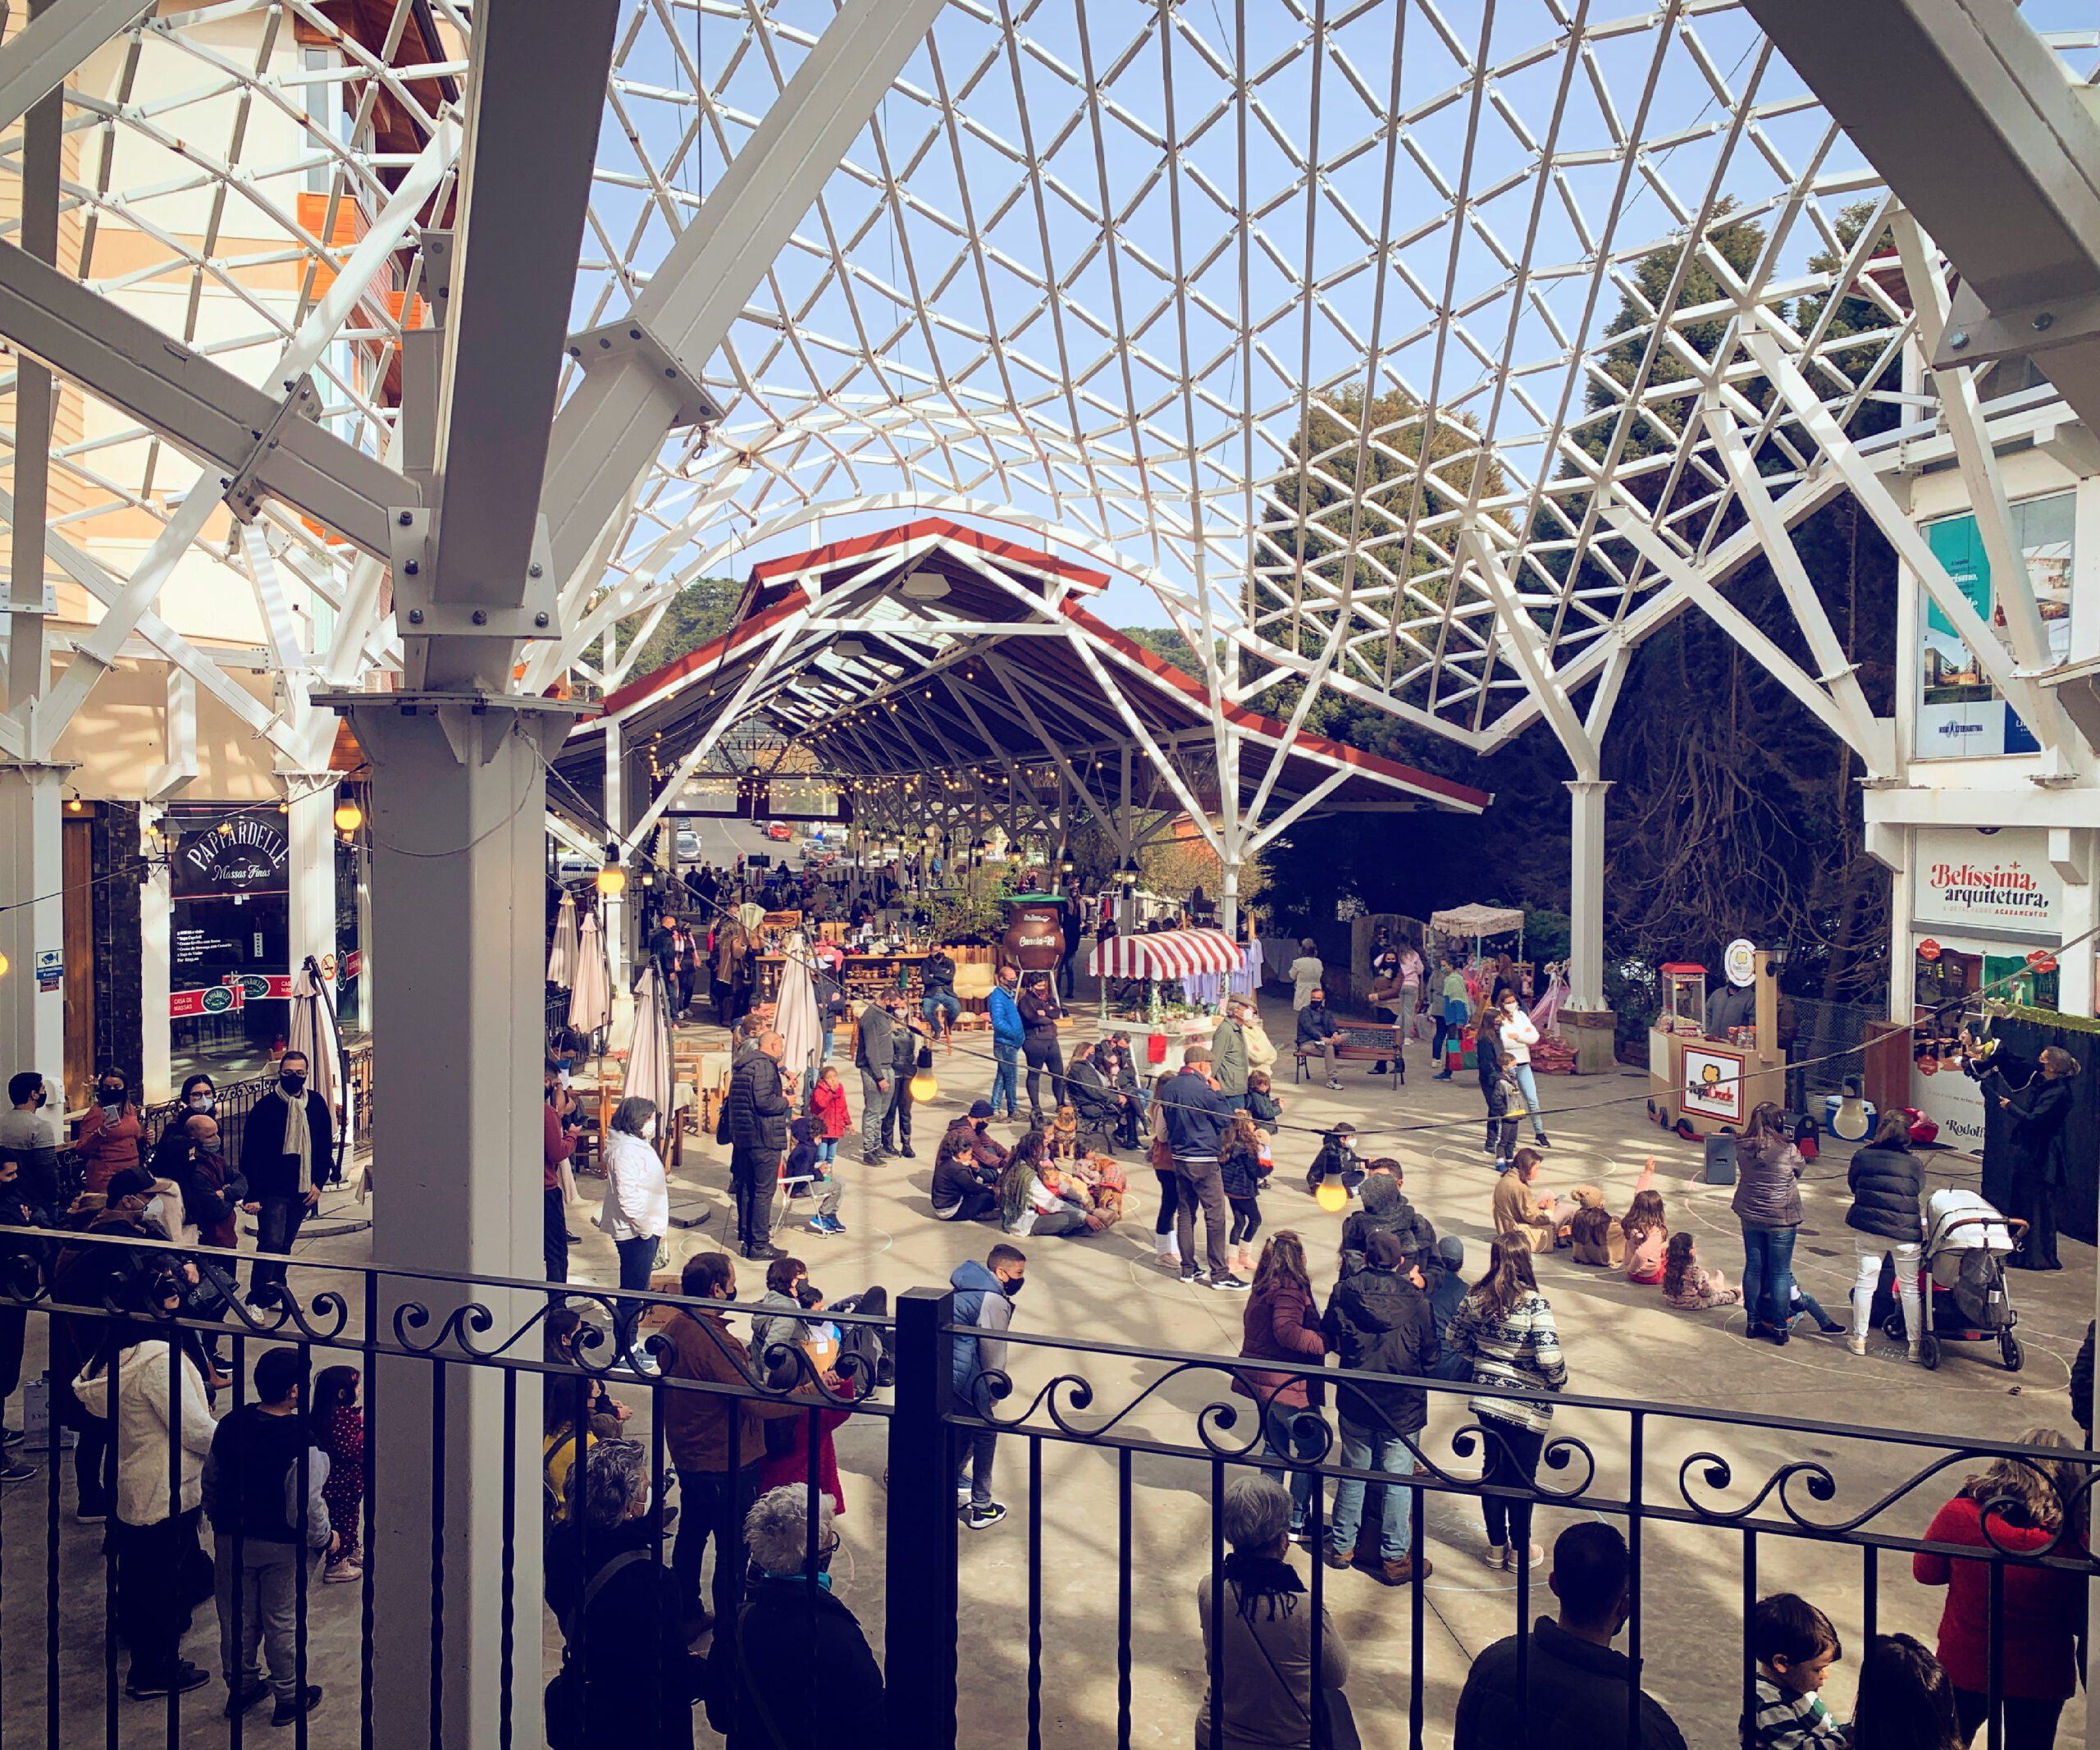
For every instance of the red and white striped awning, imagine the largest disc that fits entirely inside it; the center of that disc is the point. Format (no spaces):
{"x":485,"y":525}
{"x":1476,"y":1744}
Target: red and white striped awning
{"x":1170,"y":953}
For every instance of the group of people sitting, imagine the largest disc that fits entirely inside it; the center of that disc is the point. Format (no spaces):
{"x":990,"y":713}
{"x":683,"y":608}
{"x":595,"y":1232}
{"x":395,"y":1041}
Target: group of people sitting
{"x":1049,"y":1184}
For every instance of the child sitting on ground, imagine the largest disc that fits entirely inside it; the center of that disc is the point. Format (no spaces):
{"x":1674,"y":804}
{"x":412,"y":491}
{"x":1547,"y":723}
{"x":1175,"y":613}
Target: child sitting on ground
{"x":1595,"y":1235}
{"x":1518,"y":1210}
{"x":1646,"y":1232}
{"x":1687,"y":1286}
{"x":1337,"y":1157}
{"x":1794,"y":1645}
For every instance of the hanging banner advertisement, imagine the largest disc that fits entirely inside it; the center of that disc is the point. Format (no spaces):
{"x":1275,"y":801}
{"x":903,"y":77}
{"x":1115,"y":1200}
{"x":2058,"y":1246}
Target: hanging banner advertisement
{"x":1979,"y":879}
{"x":1961,"y":713}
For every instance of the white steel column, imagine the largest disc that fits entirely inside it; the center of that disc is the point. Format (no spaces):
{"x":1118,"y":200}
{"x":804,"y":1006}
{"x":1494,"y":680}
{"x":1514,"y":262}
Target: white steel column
{"x":32,"y":869}
{"x":459,"y":876}
{"x":311,"y":828}
{"x":1586,"y":896}
{"x":612,"y":918}
{"x":156,"y":947}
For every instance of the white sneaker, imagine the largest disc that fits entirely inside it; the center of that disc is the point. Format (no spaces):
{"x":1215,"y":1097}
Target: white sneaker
{"x":1338,"y":1087}
{"x":1857,"y":1344}
{"x":1491,"y":1556}
{"x":1916,"y":1349}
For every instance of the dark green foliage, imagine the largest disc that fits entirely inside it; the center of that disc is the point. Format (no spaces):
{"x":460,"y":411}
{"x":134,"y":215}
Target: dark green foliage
{"x":705,"y":608}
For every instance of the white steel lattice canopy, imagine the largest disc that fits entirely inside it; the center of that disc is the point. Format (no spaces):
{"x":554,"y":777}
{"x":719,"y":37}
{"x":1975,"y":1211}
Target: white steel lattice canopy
{"x":1121,"y":276}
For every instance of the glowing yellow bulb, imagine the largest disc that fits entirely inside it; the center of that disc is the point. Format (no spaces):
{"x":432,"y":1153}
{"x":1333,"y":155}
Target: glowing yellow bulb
{"x":1332,"y":1195}
{"x":349,"y":817}
{"x":925,"y":1088}
{"x":612,"y":878}
{"x":3,"y":965}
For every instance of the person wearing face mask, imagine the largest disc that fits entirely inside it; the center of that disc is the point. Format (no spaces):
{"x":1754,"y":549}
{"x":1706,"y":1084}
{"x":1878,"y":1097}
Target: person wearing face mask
{"x":31,"y":1140}
{"x":213,"y":1189}
{"x":287,"y":1148}
{"x":759,"y":1110}
{"x":111,"y":1135}
{"x":198,"y":1099}
{"x":984,"y":1298}
{"x":760,"y":1695}
{"x":636,"y":1211}
{"x":626,"y":1676}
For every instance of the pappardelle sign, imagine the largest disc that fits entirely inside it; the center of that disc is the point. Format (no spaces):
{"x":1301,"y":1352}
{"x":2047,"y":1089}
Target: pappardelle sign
{"x":1712,"y":1083}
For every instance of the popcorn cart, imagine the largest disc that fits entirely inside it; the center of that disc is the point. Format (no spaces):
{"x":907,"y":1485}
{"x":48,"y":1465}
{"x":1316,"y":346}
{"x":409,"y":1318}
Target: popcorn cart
{"x":1699,"y":1086}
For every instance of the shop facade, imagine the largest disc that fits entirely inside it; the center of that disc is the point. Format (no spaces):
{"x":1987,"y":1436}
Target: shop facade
{"x":1992,"y":842}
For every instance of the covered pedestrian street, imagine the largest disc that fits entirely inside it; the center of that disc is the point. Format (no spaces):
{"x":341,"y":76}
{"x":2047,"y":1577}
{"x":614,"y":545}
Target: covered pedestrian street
{"x":947,"y":678}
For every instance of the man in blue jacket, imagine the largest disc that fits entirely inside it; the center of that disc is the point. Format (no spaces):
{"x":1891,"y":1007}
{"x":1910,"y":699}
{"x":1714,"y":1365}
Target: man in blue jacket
{"x":984,"y":1298}
{"x":1007,"y":1033}
{"x":1195,"y":1115}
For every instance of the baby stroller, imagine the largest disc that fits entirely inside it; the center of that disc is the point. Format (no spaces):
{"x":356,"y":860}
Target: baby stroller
{"x":1962,"y":1294}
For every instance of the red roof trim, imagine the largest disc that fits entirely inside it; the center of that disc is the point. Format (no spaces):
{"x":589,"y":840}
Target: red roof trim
{"x":634,"y":692}
{"x":1194,"y":690}
{"x":993,"y":546}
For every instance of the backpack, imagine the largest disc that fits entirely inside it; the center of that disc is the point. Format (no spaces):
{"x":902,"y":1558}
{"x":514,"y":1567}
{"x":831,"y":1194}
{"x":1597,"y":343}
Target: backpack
{"x":567,"y":1726}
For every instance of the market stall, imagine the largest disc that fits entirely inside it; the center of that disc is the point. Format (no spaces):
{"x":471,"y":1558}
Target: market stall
{"x":1710,"y":1063}
{"x":1478,"y":922}
{"x":1165,"y":954}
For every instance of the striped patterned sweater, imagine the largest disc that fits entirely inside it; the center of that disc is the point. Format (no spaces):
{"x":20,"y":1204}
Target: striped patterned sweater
{"x":1521,"y":1349}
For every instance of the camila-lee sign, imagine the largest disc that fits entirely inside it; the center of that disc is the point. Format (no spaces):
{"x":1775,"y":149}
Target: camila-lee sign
{"x":1969,"y":878}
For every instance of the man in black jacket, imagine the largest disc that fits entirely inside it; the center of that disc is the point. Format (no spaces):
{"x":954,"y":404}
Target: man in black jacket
{"x":1194,"y":1114}
{"x":758,"y":1139}
{"x":287,"y":1151}
{"x":904,"y":1064}
{"x":937,"y":1001}
{"x":262,"y":1493}
{"x":1317,"y":1031}
{"x":1039,"y":1010}
{"x":1576,"y":1691}
{"x":874,"y":1050}
{"x":760,"y":1695}
{"x":1095,"y":1099}
{"x":1385,"y":1208}
{"x":1378,"y":1322}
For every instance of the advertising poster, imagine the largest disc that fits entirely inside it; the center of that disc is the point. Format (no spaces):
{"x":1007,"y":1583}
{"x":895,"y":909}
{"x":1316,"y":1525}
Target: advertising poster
{"x":1978,"y":878}
{"x":1960,"y":713}
{"x":1713,"y":1083}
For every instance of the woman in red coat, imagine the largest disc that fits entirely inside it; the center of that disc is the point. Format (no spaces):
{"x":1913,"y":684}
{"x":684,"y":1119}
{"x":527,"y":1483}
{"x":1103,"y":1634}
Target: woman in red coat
{"x":2044,"y":1607}
{"x":1280,"y":1324}
{"x":111,"y":1135}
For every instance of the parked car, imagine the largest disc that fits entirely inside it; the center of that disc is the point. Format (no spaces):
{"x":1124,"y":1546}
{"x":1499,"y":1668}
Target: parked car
{"x":777,"y":829}
{"x":688,"y":844}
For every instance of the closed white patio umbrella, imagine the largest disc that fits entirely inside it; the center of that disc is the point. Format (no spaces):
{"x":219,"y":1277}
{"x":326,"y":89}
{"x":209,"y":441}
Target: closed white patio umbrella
{"x":312,"y":1030}
{"x":562,"y":957}
{"x":650,"y":1073}
{"x":591,"y":995}
{"x":795,"y":1015}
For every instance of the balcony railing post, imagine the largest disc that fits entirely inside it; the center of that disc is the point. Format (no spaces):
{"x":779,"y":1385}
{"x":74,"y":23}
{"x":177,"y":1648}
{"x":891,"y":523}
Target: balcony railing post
{"x":920,"y":1583}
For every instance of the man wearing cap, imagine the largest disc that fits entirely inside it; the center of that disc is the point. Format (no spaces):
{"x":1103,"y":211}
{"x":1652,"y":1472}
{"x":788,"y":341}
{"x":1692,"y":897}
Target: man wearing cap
{"x":966,"y":1169}
{"x":1378,"y":1322}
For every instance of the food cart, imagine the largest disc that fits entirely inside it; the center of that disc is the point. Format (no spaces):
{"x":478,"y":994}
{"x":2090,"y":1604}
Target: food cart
{"x":1700,"y":1086}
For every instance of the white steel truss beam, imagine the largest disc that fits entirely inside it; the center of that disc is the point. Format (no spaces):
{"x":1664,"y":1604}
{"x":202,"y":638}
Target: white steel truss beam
{"x":611,"y":427}
{"x":53,"y":44}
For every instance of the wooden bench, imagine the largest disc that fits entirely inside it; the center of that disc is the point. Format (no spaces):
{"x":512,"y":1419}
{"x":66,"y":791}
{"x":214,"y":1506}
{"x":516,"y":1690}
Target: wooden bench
{"x":1362,"y":1042}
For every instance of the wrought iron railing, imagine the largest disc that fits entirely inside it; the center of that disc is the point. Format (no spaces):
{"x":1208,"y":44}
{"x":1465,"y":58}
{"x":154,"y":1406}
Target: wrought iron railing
{"x":1663,"y":1472}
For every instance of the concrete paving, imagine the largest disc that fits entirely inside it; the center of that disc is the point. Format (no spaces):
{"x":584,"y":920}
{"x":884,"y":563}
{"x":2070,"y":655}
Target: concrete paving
{"x":1621,"y":1343}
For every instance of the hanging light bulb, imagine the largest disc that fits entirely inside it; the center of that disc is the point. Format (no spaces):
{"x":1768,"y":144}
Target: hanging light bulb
{"x":1332,"y":1195}
{"x":3,"y":965}
{"x":612,"y":878}
{"x":924,"y":1086}
{"x":349,"y":816}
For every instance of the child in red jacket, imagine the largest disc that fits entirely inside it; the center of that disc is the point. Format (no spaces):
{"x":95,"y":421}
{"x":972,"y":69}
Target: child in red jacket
{"x":827,"y":1106}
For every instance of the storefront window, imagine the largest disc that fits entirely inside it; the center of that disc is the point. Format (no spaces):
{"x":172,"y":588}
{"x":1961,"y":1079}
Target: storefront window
{"x":1961,"y":713}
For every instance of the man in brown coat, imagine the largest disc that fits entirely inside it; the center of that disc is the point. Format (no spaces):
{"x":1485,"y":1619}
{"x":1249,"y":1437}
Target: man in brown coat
{"x":715,"y":1440}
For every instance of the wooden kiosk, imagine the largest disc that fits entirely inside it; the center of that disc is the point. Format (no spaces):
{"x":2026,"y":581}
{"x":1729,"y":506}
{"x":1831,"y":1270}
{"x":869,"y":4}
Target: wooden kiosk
{"x":1699,"y":1086}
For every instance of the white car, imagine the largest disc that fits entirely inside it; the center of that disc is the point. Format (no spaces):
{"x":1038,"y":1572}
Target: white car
{"x":688,"y":844}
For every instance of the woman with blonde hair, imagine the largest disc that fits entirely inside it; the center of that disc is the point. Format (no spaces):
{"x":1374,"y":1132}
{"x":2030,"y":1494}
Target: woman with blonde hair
{"x":2021,"y":1505}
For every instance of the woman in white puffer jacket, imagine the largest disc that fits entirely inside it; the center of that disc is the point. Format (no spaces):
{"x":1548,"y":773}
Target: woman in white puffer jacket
{"x":636,"y":1211}
{"x":131,"y":1385}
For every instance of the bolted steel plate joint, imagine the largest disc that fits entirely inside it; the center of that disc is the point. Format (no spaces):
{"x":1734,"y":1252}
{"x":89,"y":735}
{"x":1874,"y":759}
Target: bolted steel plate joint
{"x":532,"y":570}
{"x":480,"y":617}
{"x":406,"y":519}
{"x":415,"y":616}
{"x":1957,"y":340}
{"x":540,"y":620}
{"x":412,"y":567}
